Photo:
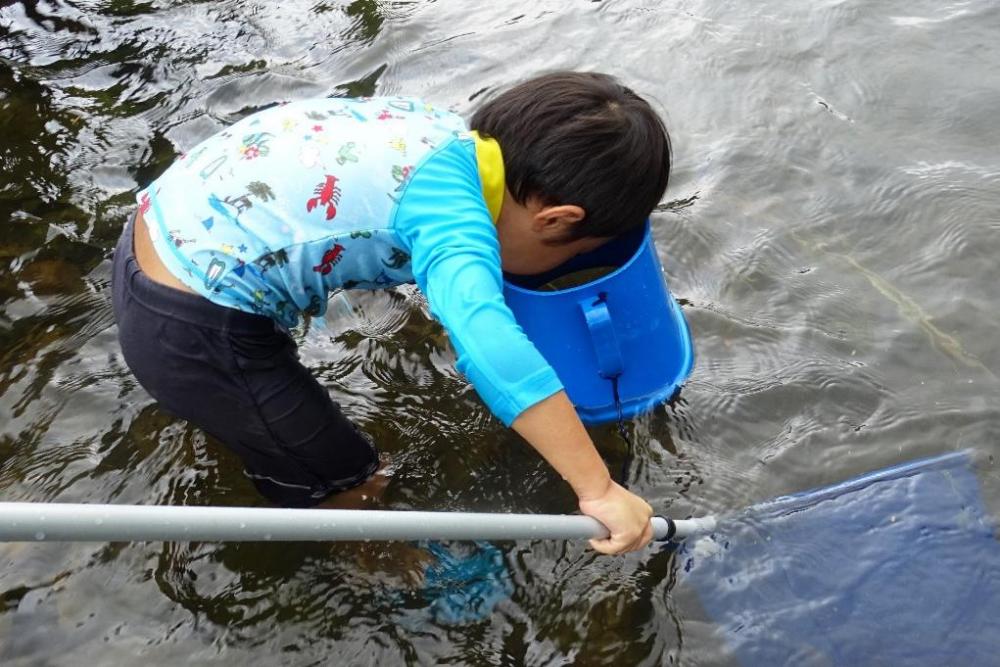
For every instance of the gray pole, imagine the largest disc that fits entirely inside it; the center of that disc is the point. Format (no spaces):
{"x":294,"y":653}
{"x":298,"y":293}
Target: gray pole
{"x":69,"y":522}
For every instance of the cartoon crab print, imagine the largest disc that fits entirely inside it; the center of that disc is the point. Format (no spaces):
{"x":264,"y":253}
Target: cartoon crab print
{"x":330,"y":259}
{"x":328,"y":195}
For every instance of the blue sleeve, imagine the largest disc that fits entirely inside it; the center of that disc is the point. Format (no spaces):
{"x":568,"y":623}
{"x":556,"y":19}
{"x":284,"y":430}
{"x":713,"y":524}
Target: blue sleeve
{"x":455,"y":258}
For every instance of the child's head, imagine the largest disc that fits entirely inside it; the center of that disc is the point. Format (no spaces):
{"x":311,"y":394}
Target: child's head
{"x":580,"y":140}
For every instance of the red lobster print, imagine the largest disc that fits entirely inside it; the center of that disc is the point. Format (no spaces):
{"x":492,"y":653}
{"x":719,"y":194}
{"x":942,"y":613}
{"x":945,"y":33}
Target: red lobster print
{"x":330,"y":257}
{"x":327,"y":194}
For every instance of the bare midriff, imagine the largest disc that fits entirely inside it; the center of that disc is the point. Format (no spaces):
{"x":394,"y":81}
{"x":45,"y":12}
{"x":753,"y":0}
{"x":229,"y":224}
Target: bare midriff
{"x":150,"y":262}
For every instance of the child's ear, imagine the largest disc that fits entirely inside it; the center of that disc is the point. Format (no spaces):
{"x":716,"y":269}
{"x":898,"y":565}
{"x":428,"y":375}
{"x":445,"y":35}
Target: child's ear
{"x":557,"y":222}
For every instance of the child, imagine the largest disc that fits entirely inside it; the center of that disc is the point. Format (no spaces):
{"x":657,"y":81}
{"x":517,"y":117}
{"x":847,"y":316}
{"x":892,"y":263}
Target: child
{"x":260,"y":222}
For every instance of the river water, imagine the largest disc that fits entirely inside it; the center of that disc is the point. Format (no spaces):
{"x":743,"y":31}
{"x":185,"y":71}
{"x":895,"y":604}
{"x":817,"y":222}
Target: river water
{"x":835,"y":210}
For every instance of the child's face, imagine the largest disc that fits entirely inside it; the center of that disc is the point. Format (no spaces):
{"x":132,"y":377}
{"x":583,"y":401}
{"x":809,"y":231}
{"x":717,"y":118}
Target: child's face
{"x":530,"y":236}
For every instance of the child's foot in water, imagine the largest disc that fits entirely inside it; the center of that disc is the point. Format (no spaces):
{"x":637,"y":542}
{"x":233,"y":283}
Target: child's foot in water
{"x":367,"y":495}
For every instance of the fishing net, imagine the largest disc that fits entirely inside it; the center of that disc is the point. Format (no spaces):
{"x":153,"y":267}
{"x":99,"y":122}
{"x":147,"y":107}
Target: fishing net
{"x":897,"y":567}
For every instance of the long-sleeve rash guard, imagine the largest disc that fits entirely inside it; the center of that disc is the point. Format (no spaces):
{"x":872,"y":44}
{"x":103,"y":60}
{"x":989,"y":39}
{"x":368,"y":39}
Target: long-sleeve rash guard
{"x":275,"y":212}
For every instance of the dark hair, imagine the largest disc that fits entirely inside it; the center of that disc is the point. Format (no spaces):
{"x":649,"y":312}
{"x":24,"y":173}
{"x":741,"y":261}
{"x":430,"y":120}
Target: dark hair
{"x":581,"y":138}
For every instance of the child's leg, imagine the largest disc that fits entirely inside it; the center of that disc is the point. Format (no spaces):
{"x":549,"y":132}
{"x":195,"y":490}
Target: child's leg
{"x":237,"y":376}
{"x":366,"y":495}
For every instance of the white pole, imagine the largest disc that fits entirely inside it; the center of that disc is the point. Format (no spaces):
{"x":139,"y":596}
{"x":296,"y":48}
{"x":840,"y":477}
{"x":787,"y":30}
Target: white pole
{"x":73,"y":522}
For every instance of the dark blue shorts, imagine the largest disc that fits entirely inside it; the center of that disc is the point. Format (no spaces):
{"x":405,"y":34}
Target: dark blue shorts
{"x":237,"y":376}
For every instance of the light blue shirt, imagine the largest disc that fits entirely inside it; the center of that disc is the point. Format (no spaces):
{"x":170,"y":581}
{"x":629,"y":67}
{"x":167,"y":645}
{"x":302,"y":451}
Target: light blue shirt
{"x":275,"y":212}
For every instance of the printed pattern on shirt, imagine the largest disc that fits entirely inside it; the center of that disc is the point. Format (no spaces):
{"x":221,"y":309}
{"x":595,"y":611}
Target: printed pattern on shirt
{"x":274,"y":212}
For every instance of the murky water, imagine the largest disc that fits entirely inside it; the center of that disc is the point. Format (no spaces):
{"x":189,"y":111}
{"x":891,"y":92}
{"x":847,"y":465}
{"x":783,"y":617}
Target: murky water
{"x":836,"y":214}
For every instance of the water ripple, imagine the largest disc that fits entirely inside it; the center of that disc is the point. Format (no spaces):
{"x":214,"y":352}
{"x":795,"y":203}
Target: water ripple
{"x":831,"y":236}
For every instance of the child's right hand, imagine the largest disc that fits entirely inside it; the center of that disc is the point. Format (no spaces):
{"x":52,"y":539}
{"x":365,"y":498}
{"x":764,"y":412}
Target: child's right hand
{"x":626,"y":516}
{"x":553,"y":428}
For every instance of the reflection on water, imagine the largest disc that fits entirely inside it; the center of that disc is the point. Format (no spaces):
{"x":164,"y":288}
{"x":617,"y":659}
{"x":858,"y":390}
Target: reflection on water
{"x":831,"y":233}
{"x":576,"y":278}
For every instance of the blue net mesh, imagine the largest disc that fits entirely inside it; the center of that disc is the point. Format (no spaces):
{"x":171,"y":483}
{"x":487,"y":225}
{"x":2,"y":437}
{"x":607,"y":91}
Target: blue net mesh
{"x":899,"y":567}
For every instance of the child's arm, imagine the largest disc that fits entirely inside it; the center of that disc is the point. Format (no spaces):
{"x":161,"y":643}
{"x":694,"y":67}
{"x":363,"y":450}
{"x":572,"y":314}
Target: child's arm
{"x":455,"y":258}
{"x":552,"y":427}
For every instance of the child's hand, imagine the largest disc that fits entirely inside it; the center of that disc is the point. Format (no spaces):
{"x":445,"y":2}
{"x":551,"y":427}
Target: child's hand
{"x":625,"y":515}
{"x":552,"y":427}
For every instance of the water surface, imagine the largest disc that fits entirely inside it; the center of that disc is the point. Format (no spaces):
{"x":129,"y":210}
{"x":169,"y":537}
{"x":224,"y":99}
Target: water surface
{"x":832,"y":233}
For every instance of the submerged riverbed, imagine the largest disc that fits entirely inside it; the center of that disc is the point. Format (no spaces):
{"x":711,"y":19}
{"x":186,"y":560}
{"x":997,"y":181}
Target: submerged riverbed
{"x":832,"y":230}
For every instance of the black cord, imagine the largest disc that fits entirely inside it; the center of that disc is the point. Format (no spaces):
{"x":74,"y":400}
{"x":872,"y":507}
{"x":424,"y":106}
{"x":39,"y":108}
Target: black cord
{"x":627,"y":463}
